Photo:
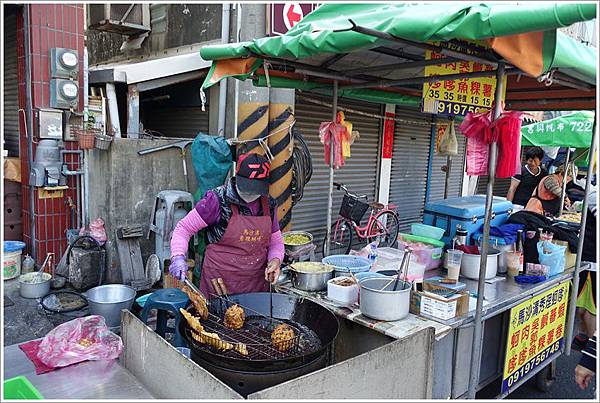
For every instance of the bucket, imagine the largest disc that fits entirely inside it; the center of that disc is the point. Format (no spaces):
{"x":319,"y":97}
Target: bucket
{"x":108,"y":301}
{"x":12,"y":259}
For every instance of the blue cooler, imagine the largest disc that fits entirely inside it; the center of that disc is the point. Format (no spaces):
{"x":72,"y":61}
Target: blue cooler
{"x":468,"y":212}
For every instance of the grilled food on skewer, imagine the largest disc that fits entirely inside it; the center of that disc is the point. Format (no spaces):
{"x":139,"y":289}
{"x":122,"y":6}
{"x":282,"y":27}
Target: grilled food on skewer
{"x":234,"y":317}
{"x":282,"y":337}
{"x":212,"y":339}
{"x":199,"y":302}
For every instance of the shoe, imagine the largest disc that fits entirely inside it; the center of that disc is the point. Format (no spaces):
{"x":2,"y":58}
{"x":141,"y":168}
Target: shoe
{"x":579,"y":342}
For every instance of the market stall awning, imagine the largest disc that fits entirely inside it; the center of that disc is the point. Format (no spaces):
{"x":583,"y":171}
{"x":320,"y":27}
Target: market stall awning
{"x":572,"y":130}
{"x":524,"y":35}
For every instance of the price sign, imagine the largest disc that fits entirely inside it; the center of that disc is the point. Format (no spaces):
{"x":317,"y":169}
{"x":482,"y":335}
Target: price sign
{"x":535,"y":334}
{"x":460,"y":96}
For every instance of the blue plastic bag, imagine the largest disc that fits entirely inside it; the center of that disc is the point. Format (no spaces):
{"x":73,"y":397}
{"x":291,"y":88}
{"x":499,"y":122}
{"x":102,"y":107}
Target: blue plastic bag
{"x":555,"y":260}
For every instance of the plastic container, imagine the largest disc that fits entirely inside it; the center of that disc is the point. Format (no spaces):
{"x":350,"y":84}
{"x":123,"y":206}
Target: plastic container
{"x":514,"y":263}
{"x":28,"y":265}
{"x":345,"y":295}
{"x":11,"y":261}
{"x":429,"y":254}
{"x":453,"y":263}
{"x":390,"y":259}
{"x":20,"y":388}
{"x":427,"y":231}
{"x":469,"y":267}
{"x":344,"y":264}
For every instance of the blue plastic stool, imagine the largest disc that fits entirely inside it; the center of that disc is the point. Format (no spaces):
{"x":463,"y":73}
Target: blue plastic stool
{"x":167,"y":300}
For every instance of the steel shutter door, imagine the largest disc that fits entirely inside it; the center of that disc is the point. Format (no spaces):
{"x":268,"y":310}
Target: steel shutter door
{"x":438,"y":177}
{"x":409,"y":166}
{"x":11,"y":89}
{"x":359,"y":173}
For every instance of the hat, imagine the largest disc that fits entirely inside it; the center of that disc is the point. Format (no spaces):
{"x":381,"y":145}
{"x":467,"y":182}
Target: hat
{"x":252,"y":174}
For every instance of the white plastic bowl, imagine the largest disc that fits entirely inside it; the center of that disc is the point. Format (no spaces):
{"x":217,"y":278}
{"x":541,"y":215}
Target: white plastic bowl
{"x":345,"y":295}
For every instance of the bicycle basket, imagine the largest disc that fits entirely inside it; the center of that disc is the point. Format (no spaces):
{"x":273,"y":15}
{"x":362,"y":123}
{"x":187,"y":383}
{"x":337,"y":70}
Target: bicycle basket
{"x":353,"y":209}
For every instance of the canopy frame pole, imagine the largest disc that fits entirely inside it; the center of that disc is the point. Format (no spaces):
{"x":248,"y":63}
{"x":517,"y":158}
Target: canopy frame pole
{"x":331,"y":169}
{"x":478,"y":330}
{"x":564,"y":184}
{"x":584,"y":213}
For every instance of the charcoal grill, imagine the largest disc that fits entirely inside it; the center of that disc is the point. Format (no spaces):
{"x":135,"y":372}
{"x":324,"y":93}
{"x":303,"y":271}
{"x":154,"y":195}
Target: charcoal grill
{"x":314,"y":325}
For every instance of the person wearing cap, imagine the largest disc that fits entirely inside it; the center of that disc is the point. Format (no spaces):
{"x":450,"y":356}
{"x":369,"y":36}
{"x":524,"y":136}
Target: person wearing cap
{"x":244,"y":242}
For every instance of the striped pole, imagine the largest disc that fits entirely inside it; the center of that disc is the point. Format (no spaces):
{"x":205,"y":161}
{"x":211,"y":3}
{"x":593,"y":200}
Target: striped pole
{"x":281,"y":117}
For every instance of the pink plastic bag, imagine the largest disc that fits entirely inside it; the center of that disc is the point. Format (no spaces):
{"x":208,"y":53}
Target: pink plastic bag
{"x":329,"y":130}
{"x":477,"y":157}
{"x":78,"y":340}
{"x":96,"y":231}
{"x":508,"y":131}
{"x":477,"y":125}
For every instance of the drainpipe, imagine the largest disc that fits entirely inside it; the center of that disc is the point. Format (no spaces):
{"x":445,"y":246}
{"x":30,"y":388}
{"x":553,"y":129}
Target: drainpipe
{"x":236,"y":98}
{"x":223,"y":84}
{"x":29,"y":125}
{"x":85,"y":213}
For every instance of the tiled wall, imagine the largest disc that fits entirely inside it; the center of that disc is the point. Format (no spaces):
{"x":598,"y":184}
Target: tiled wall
{"x":51,"y":25}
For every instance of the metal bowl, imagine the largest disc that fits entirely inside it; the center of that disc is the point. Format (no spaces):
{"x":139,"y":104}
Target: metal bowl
{"x":310,"y":281}
{"x":108,"y":301}
{"x":294,"y":248}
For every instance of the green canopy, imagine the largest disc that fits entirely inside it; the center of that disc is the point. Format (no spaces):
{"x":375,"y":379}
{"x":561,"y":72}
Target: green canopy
{"x":573,"y":130}
{"x":512,"y":30}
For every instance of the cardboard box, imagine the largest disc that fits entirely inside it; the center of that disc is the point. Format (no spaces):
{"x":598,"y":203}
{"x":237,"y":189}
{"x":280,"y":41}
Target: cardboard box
{"x":427,"y":302}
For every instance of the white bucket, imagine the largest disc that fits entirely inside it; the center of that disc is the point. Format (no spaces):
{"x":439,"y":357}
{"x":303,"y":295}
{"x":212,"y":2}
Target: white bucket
{"x":11,"y":264}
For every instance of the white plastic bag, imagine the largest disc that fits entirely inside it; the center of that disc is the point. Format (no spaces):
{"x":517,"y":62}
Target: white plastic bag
{"x":448,"y":144}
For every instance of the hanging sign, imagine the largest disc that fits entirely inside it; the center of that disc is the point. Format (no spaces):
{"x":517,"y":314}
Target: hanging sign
{"x":460,"y":96}
{"x":388,"y":135}
{"x":284,"y":16}
{"x":535,"y":334}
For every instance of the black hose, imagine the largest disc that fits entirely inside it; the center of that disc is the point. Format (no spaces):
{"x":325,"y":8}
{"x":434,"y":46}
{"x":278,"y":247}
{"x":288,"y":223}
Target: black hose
{"x":302,"y":166}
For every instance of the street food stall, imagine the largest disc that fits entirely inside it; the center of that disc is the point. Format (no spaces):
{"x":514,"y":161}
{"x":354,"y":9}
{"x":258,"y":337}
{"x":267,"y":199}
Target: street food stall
{"x":388,"y":46}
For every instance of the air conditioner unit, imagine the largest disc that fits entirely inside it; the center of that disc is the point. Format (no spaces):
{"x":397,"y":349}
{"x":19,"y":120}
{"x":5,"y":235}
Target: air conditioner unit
{"x":124,"y":19}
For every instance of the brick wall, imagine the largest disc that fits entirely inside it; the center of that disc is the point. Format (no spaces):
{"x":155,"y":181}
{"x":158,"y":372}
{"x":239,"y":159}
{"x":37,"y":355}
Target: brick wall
{"x":51,"y":25}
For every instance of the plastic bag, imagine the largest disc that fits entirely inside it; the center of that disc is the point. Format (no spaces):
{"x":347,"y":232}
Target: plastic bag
{"x":448,"y":144}
{"x":553,"y":256}
{"x":96,"y":231}
{"x":507,"y":129}
{"x":78,"y":340}
{"x":327,"y":131}
{"x":477,"y":157}
{"x":477,"y":125}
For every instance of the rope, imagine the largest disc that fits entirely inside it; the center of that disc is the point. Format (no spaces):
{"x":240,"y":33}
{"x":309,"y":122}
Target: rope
{"x":302,"y":166}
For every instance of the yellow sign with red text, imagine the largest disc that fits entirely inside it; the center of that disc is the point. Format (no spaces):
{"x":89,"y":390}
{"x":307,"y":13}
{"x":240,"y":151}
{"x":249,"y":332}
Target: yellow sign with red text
{"x":535,"y":334}
{"x":460,"y":96}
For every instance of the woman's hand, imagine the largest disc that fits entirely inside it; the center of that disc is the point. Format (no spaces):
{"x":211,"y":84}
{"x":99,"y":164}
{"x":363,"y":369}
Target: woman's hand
{"x":178,"y":267}
{"x":272,"y":270}
{"x":583,"y":376}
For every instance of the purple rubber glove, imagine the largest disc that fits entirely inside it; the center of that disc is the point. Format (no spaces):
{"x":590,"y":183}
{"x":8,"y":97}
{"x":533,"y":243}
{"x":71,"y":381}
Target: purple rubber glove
{"x":178,"y":267}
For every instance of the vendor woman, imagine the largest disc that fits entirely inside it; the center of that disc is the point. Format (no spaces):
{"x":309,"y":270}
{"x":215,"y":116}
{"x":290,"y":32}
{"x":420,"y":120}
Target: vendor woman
{"x":245,"y":246}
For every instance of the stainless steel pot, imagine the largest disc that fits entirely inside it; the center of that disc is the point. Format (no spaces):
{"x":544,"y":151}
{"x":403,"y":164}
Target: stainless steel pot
{"x":109,"y":300}
{"x":311,"y":281}
{"x":34,"y":285}
{"x":379,"y":301}
{"x":294,"y":248}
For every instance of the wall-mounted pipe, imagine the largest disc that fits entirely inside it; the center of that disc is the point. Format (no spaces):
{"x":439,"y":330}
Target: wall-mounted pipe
{"x":223,"y":84}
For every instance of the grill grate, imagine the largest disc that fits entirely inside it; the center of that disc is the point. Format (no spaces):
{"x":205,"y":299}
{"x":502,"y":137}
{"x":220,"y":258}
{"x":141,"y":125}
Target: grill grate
{"x":255,"y":334}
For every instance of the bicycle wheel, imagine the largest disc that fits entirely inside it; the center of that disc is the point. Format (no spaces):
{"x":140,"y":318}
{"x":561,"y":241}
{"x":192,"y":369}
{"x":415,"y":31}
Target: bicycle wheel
{"x":385,"y":229}
{"x":340,"y":239}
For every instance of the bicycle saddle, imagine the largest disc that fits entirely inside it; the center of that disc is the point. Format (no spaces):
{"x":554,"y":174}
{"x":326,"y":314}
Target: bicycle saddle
{"x":377,"y":205}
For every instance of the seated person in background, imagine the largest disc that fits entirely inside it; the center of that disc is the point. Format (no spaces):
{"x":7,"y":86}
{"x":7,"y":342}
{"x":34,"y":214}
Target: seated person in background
{"x":523,"y":185}
{"x":546,"y":197}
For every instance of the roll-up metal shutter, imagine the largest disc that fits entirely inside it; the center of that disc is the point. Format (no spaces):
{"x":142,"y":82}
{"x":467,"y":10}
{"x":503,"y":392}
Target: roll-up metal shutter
{"x":438,"y":177}
{"x":409,"y":166}
{"x":359,"y":173}
{"x":11,"y":88}
{"x":176,"y":121}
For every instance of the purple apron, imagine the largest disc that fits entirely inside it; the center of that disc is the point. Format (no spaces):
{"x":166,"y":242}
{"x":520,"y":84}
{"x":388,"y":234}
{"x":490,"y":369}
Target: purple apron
{"x":240,"y":257}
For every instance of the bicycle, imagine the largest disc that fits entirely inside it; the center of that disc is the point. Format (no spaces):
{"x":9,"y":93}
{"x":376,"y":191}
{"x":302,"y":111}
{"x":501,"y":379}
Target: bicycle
{"x":383,"y":224}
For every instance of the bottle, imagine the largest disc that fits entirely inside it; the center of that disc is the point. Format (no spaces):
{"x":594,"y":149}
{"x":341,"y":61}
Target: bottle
{"x":373,"y":252}
{"x":520,"y":250}
{"x":28,"y":265}
{"x":461,"y":237}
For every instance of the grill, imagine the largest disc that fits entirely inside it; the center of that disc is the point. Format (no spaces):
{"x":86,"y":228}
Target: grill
{"x":255,"y":335}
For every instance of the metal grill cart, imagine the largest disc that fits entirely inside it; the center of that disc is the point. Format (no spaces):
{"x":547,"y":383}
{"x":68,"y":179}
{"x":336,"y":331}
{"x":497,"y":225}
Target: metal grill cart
{"x":377,"y":52}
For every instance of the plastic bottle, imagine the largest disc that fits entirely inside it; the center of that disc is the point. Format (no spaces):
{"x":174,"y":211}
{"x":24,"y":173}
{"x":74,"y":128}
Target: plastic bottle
{"x":28,"y":265}
{"x":372,"y":252}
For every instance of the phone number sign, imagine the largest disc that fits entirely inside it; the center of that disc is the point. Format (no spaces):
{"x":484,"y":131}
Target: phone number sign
{"x":535,"y":334}
{"x":457,"y":97}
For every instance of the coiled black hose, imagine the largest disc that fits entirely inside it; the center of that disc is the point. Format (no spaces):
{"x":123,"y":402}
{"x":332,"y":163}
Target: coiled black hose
{"x":302,"y":166}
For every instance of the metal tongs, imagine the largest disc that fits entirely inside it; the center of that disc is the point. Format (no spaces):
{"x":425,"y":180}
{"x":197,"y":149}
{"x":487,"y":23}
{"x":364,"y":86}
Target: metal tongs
{"x":195,"y":289}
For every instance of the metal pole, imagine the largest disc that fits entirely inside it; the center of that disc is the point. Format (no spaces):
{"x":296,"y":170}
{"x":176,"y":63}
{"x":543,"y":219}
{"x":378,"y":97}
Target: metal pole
{"x":330,"y":195}
{"x":478,"y":331}
{"x":573,"y":297}
{"x":223,"y":84}
{"x":564,"y":185}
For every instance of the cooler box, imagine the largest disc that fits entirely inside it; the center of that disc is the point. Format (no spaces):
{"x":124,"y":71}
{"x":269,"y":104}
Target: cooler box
{"x":468,"y":212}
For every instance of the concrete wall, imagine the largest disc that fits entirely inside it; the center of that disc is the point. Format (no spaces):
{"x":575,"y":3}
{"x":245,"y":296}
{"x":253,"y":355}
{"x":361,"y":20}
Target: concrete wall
{"x":184,"y":25}
{"x":123,"y":186}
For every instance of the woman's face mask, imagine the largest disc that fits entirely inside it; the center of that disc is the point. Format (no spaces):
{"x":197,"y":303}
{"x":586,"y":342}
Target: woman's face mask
{"x":247,"y":197}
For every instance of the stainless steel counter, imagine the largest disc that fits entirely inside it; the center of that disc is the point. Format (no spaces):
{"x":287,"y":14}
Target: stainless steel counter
{"x":87,"y":380}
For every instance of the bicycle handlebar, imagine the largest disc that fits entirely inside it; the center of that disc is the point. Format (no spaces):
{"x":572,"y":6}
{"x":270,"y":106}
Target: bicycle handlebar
{"x":341,"y":186}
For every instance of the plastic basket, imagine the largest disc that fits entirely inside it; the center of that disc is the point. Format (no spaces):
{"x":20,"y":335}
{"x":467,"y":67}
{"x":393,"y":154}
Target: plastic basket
{"x":20,"y":388}
{"x":103,"y":142}
{"x":353,"y":209}
{"x":87,"y":137}
{"x":348,"y":263}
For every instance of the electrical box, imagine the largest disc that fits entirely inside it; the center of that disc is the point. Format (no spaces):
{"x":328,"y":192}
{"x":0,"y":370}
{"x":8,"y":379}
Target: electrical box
{"x":64,"y":63}
{"x":64,"y":94}
{"x":51,"y":124}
